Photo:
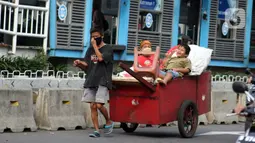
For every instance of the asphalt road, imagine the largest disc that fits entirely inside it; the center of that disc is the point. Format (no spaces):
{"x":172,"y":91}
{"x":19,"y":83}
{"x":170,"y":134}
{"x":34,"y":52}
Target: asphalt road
{"x":205,"y":134}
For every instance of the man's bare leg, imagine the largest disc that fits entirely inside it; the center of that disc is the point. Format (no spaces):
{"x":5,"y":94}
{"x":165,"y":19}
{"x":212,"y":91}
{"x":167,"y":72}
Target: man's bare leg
{"x":94,"y":116}
{"x":167,"y":78}
{"x":104,"y":111}
{"x":161,"y":76}
{"x":109,"y":124}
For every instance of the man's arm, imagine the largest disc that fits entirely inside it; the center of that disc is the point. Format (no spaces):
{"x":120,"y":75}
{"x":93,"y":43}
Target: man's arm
{"x":82,"y":65}
{"x":105,"y":56}
{"x":96,"y":49}
{"x":182,"y":70}
{"x":98,"y":53}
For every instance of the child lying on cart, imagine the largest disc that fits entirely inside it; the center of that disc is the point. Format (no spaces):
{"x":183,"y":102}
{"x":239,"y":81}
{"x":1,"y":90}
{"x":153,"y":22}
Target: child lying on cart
{"x":176,"y":66}
{"x":171,"y":52}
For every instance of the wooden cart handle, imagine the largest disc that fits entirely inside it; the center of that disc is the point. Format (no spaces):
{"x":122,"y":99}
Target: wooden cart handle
{"x":138,"y":77}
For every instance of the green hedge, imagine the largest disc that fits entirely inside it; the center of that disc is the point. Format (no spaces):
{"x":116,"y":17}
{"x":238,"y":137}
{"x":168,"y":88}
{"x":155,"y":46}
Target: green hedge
{"x":21,"y":63}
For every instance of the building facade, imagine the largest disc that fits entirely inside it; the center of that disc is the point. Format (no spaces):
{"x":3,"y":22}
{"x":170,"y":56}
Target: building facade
{"x":206,"y":22}
{"x":23,"y":26}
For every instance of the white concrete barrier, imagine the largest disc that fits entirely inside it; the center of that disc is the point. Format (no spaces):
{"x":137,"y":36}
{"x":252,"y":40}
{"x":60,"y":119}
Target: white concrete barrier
{"x":16,"y":110}
{"x":202,"y":120}
{"x":223,"y":102}
{"x":44,"y":83}
{"x":59,"y":108}
{"x":1,"y":83}
{"x":210,"y":117}
{"x":17,"y":83}
{"x":71,"y":83}
{"x":221,"y":85}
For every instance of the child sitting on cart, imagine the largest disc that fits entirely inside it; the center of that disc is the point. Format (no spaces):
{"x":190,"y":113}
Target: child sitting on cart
{"x":176,"y":66}
{"x":145,"y":60}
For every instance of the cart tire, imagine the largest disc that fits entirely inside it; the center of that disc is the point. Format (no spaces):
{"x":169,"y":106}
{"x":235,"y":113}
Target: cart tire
{"x":187,"y":116}
{"x":129,"y":129}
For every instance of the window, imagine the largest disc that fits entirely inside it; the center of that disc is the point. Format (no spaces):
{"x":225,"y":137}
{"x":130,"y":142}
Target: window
{"x":110,"y":9}
{"x":189,"y":23}
{"x":145,"y":25}
{"x":150,"y":15}
{"x":252,"y":41}
{"x":70,"y":24}
{"x":223,"y":28}
{"x":63,"y":14}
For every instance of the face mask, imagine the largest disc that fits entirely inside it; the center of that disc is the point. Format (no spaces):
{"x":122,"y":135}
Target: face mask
{"x":98,"y":40}
{"x":146,"y":49}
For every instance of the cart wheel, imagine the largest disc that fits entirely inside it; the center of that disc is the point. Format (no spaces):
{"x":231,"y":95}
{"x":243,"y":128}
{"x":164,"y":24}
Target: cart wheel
{"x":187,"y":119}
{"x":129,"y":127}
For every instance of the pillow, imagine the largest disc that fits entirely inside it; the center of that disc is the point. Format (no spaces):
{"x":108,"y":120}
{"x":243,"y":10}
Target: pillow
{"x":125,"y":74}
{"x":200,"y":58}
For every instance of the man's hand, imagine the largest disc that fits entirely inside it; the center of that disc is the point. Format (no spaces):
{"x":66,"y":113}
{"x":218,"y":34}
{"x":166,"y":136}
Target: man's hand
{"x":93,"y":42}
{"x":249,"y":80}
{"x":239,"y":108}
{"x":76,"y":63}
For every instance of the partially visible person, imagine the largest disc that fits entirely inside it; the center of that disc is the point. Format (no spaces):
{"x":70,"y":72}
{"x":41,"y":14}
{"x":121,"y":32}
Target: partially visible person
{"x":239,"y":108}
{"x":176,"y":66}
{"x":249,"y":80}
{"x":249,"y":119}
{"x":98,"y":19}
{"x":182,"y":40}
{"x":98,"y":66}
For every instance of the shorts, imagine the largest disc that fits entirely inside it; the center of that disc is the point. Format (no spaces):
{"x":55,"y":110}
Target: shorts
{"x":95,"y":95}
{"x":174,"y":73}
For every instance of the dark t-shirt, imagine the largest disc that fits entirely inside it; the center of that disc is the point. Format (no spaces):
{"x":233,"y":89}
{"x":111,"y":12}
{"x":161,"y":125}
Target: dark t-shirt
{"x":99,"y":73}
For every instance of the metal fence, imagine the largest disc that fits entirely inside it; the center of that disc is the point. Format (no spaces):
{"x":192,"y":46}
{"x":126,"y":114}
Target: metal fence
{"x":70,"y":79}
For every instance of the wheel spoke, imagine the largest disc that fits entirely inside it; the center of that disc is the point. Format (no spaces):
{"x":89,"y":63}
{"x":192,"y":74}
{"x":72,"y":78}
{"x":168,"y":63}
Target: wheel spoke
{"x":187,"y":129}
{"x":189,"y":119}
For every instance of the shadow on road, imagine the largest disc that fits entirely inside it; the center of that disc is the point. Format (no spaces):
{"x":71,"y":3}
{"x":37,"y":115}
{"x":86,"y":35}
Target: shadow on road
{"x":153,"y":134}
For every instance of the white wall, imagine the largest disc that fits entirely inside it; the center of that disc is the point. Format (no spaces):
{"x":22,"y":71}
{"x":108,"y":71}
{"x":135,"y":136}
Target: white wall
{"x":20,"y":52}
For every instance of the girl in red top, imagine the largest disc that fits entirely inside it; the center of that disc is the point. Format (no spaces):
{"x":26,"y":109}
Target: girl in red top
{"x":145,"y":60}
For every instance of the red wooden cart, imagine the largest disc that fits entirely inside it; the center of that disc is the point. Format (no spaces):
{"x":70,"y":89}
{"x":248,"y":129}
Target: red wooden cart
{"x":134,"y":102}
